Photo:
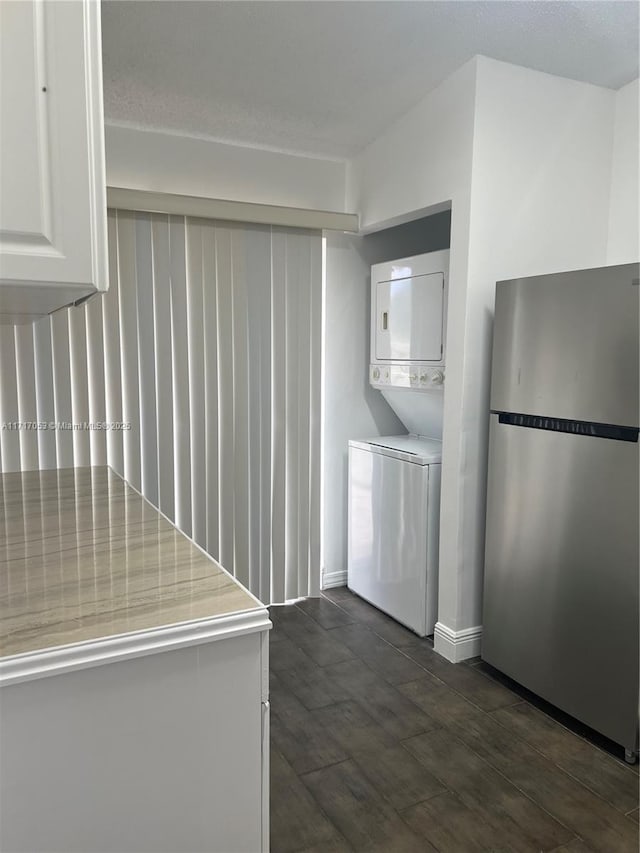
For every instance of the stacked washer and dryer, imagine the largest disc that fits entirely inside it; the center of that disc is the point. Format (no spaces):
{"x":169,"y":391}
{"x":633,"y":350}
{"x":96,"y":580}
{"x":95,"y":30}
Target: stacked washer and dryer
{"x":394,"y":481}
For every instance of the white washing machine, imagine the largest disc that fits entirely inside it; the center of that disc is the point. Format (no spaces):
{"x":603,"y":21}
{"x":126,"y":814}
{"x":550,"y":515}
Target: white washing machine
{"x":394,"y":509}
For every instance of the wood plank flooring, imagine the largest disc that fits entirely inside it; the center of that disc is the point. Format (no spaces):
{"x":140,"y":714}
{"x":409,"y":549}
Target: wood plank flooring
{"x":379,"y":744}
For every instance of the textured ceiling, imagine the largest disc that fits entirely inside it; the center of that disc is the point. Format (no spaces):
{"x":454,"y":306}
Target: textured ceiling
{"x":325,"y":78}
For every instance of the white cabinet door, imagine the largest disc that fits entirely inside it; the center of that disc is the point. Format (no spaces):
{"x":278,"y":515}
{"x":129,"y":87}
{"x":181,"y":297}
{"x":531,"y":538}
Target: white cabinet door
{"x":160,"y":753}
{"x":53,"y":244}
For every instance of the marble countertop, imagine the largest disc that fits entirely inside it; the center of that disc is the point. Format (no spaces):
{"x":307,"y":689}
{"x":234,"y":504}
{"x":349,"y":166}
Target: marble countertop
{"x":84,"y":557}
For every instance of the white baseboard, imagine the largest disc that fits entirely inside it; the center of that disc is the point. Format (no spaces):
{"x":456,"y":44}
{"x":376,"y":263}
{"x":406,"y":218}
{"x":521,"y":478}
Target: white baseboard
{"x":332,"y":579}
{"x":456,"y":646}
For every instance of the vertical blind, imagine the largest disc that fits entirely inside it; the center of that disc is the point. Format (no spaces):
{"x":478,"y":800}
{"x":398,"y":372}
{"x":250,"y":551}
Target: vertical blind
{"x":207,"y":349}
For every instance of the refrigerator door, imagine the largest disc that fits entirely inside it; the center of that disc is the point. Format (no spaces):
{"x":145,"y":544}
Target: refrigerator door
{"x":388,"y":533}
{"x":561,"y":572}
{"x":566,"y":346}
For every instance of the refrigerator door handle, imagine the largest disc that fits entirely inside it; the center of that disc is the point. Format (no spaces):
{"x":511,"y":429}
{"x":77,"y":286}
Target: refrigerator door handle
{"x":596,"y":430}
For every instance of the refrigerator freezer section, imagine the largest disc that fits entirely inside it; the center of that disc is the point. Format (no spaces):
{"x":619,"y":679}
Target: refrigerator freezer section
{"x":561,"y":572}
{"x":566,"y":346}
{"x":393,"y":530}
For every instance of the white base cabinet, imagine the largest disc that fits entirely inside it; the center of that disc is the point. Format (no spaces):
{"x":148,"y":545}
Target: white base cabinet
{"x":53,"y":236}
{"x":164,"y":753}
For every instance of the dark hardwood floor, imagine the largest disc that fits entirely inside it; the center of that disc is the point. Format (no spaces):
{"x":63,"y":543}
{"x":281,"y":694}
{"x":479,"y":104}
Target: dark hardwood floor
{"x":379,"y":744}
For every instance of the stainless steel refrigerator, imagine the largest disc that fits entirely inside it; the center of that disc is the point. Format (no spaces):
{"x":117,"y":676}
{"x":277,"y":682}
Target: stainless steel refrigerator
{"x":562,"y":536}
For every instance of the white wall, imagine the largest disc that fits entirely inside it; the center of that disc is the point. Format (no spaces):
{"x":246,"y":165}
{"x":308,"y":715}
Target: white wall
{"x":352,"y":409}
{"x":539,"y":203}
{"x":163,"y":162}
{"x":624,"y":225}
{"x":420,"y":161}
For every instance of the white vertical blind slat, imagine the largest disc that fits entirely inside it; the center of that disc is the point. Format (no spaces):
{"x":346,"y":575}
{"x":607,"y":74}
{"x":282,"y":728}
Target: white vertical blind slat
{"x":292,"y":423}
{"x":112,"y":352}
{"x":195,"y":325}
{"x":60,"y":334}
{"x":26,"y":393}
{"x":210,"y":319}
{"x":300,"y":251}
{"x":263,"y":366}
{"x":9,"y":437}
{"x":146,"y":360}
{"x":224,"y":281}
{"x":180,"y":372}
{"x":278,"y":532}
{"x":44,"y":392}
{"x":258,"y":277}
{"x":95,"y":376}
{"x":240,"y":238}
{"x":315,"y":416}
{"x":79,"y":387}
{"x":128,"y":321}
{"x":163,"y":363}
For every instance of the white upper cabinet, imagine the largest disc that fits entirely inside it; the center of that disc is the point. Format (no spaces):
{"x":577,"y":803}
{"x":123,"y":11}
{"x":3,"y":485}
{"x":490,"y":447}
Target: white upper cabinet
{"x":53,"y":235}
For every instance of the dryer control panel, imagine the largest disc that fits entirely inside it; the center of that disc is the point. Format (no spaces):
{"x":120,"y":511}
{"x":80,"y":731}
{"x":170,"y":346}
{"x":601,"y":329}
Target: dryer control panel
{"x":408,"y":321}
{"x":414,"y":375}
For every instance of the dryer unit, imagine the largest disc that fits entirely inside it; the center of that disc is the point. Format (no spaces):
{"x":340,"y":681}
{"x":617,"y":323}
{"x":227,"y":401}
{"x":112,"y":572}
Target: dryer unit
{"x":408,"y":341}
{"x":408,"y":321}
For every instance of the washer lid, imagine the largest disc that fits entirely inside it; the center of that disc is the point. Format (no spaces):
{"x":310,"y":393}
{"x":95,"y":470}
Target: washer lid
{"x":409,"y":448}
